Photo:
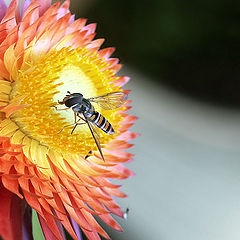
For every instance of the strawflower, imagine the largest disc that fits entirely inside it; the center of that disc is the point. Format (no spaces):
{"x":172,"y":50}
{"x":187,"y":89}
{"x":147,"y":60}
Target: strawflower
{"x":45,"y":52}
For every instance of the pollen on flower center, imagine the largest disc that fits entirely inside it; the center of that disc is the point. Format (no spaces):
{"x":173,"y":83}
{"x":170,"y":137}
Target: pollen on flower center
{"x":45,"y":82}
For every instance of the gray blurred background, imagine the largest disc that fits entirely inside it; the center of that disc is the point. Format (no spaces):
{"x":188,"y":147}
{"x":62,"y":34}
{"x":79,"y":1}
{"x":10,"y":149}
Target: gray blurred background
{"x":183,"y":58}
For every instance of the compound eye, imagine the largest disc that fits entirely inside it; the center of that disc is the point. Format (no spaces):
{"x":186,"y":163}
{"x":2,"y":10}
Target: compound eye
{"x":71,"y":101}
{"x":65,"y":99}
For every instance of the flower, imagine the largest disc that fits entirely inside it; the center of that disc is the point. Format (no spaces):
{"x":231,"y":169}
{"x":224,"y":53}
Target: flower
{"x":45,"y":52}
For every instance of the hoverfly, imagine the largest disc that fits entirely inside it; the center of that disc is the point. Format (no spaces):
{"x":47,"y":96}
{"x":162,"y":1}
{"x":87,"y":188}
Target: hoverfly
{"x":84,"y":110}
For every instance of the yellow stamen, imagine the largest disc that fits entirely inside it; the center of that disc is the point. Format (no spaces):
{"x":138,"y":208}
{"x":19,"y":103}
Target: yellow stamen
{"x":45,"y":82}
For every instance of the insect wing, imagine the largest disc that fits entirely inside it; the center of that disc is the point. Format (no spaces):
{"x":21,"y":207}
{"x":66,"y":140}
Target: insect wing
{"x":95,"y":134}
{"x":110,"y":101}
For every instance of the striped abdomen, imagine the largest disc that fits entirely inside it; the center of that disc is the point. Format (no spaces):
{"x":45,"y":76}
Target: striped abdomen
{"x":100,"y":121}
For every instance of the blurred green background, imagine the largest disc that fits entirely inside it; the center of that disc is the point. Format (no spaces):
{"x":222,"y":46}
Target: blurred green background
{"x":192,"y":46}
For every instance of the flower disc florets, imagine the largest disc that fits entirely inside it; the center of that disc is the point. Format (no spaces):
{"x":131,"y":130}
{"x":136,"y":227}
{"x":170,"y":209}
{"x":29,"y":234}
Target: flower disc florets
{"x":46,"y":82}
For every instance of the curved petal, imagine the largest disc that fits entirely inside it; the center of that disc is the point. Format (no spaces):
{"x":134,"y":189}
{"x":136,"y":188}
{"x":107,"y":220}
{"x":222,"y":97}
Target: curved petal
{"x":3,"y":9}
{"x":10,"y":215}
{"x":27,"y":223}
{"x":44,"y":5}
{"x":25,"y":6}
{"x":76,"y":229}
{"x":56,"y":231}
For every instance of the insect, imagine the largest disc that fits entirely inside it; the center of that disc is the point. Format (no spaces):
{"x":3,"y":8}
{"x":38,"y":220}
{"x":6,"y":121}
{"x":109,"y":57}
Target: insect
{"x":88,"y":155}
{"x":125,"y":214}
{"x":85,"y":111}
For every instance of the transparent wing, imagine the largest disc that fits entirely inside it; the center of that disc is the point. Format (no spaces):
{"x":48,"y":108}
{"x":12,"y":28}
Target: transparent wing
{"x":95,"y":133}
{"x":111,"y":100}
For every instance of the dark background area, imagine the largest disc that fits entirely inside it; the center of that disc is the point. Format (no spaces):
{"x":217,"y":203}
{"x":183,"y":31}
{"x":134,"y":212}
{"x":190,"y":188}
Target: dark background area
{"x":192,"y":46}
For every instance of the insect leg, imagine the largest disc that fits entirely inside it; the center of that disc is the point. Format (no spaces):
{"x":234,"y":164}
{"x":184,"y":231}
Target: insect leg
{"x":76,"y":126}
{"x":81,"y":117}
{"x":59,"y":109}
{"x":66,"y":127}
{"x":76,"y":121}
{"x":72,"y":125}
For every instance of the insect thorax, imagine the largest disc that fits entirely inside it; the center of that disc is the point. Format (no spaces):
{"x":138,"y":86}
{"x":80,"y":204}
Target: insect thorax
{"x":84,"y":107}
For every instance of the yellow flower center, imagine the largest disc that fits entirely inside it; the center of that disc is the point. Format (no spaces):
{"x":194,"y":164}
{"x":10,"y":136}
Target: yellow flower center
{"x":45,"y":82}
